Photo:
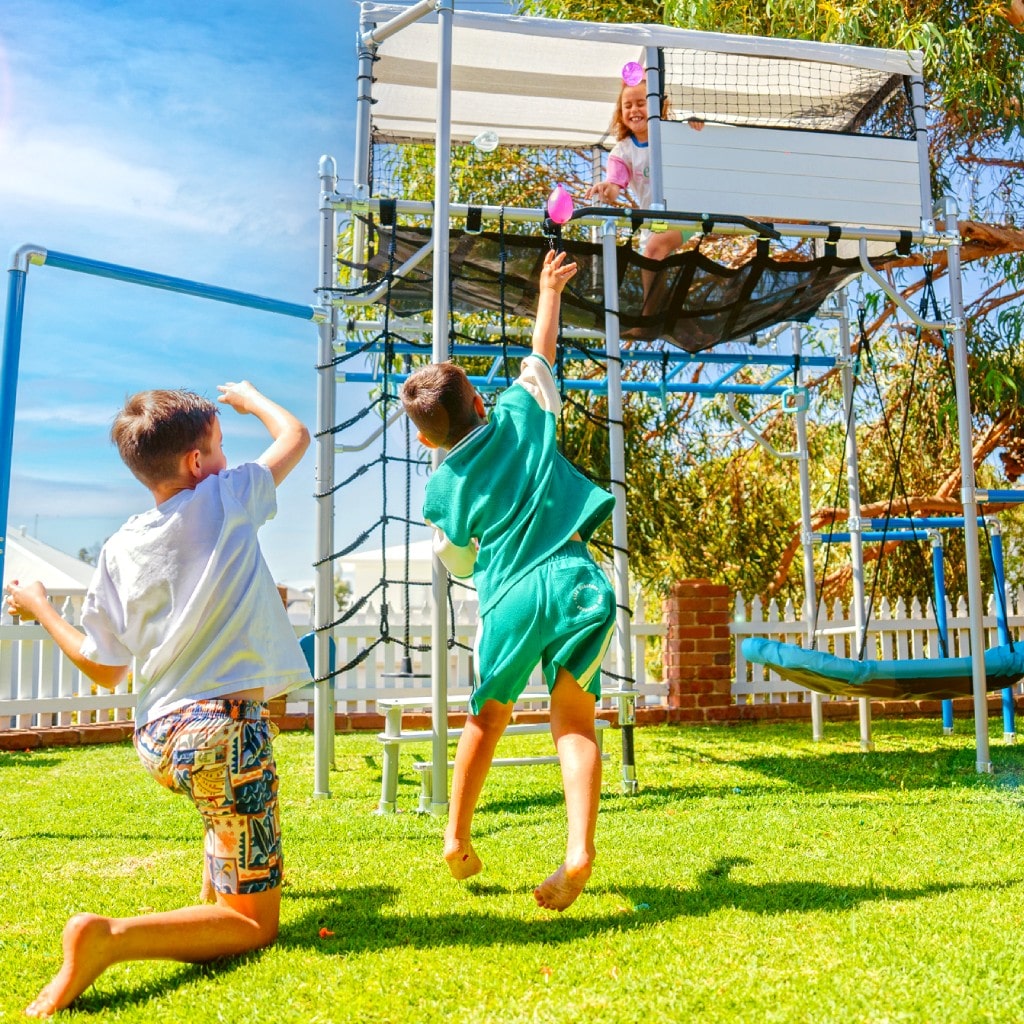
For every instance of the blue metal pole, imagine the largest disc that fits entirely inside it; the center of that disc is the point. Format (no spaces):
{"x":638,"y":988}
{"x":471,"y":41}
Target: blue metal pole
{"x":1002,"y":625}
{"x":176,"y":284}
{"x":939,"y":590}
{"x":9,"y":359}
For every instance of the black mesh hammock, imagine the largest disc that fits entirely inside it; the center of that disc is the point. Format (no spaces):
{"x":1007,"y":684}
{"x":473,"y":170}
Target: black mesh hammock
{"x":701,"y":303}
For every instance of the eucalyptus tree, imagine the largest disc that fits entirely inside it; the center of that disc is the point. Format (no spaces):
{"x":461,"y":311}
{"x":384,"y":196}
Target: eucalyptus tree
{"x":711,"y":503}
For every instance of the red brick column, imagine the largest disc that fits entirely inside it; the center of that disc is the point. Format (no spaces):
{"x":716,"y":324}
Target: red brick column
{"x":696,"y":660}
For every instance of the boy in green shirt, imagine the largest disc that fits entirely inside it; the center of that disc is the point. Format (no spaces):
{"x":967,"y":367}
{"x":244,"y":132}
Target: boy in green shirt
{"x":510,"y":510}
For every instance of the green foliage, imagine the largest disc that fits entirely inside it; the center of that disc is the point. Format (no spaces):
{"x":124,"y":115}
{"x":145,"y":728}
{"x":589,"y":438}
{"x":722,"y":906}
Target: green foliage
{"x":702,"y":499}
{"x":342,"y":593}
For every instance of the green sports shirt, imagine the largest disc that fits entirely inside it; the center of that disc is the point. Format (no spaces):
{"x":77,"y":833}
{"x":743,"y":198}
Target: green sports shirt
{"x":506,"y":495}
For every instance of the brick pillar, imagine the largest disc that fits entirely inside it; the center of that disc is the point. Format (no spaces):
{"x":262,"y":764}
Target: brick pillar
{"x":696,"y":660}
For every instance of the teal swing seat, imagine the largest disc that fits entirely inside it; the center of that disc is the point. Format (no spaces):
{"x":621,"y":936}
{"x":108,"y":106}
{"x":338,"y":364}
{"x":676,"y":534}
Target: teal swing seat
{"x":907,"y":679}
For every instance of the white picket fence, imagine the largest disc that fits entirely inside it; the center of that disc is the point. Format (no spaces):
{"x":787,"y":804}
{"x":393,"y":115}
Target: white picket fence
{"x":40,"y":688}
{"x":893,"y":632}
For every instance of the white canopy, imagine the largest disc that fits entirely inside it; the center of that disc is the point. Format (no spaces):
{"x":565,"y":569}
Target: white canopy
{"x":544,"y":82}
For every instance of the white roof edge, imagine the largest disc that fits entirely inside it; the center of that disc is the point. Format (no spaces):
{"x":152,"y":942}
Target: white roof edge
{"x":897,"y":62}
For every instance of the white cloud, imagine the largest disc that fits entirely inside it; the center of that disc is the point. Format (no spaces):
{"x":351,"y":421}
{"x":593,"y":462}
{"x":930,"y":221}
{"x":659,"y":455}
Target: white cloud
{"x":89,"y":178}
{"x":79,"y":415}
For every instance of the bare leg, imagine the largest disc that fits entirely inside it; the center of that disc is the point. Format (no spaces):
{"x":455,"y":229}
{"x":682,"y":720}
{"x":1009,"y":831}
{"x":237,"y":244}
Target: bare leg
{"x":207,"y":894}
{"x":235,"y":924}
{"x":660,"y":245}
{"x":472,"y":762}
{"x":572,"y":727}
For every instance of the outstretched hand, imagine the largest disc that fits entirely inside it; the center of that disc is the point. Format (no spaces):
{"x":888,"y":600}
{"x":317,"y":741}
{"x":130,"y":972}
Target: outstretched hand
{"x":606,"y":191}
{"x":24,"y":600}
{"x":240,"y":396}
{"x":556,"y":273}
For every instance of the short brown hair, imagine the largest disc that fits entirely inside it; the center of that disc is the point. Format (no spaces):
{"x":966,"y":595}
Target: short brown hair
{"x":439,"y":399}
{"x":155,"y":428}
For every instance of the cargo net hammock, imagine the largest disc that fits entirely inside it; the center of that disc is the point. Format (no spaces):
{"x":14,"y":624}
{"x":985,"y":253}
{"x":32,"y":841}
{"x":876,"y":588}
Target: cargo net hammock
{"x":694,"y":302}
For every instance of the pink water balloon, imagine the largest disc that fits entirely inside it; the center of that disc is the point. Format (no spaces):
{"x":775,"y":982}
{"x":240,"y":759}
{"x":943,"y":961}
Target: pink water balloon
{"x":559,"y":205}
{"x":632,"y":73}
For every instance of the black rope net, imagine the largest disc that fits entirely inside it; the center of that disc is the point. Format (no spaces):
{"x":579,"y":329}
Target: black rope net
{"x":774,"y":92}
{"x":695,"y":302}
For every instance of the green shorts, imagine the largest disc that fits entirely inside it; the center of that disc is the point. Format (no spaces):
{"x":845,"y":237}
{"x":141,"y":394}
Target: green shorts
{"x":561,"y":614}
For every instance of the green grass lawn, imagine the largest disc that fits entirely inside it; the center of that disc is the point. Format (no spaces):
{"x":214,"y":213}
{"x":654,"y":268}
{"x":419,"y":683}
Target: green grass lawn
{"x":756,"y":877}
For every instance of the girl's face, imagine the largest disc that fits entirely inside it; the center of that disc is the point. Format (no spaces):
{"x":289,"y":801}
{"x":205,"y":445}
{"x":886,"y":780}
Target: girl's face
{"x":633,"y":107}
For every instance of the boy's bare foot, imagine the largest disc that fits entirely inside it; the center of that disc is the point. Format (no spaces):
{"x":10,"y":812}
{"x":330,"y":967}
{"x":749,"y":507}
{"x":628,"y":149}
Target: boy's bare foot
{"x":559,"y":890}
{"x":462,"y":859}
{"x":86,"y":957}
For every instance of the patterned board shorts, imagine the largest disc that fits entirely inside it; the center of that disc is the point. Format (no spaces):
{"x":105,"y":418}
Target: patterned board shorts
{"x":219,"y":753}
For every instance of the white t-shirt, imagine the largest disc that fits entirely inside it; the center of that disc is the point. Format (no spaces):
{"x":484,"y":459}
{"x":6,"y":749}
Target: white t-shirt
{"x":629,"y":166}
{"x":183,"y":588}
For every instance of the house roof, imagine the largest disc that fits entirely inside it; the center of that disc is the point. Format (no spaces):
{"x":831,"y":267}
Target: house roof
{"x":26,"y":558}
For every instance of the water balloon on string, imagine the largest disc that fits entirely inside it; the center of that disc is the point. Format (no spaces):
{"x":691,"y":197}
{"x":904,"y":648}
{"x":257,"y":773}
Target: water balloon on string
{"x":560,"y":205}
{"x":632,"y":73}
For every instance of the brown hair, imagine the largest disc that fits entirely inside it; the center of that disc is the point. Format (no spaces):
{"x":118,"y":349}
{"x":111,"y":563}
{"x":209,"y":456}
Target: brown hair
{"x":618,"y":127}
{"x":439,"y":399}
{"x":156,"y":428}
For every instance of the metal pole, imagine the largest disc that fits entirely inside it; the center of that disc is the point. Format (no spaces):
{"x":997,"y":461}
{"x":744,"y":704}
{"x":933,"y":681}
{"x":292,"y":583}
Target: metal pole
{"x":182,"y":285}
{"x":620,"y":543}
{"x":361,"y":168}
{"x":1002,"y":623}
{"x":920,"y":114}
{"x":400,"y":21}
{"x":323,"y":595}
{"x":9,"y":360}
{"x":975,"y":601}
{"x":807,"y":541}
{"x":442,"y":245}
{"x":853,"y":499}
{"x":652,"y":56}
{"x":941,"y":622}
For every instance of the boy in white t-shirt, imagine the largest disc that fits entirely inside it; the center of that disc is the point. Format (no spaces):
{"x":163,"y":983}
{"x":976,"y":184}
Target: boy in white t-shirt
{"x":183,"y":591}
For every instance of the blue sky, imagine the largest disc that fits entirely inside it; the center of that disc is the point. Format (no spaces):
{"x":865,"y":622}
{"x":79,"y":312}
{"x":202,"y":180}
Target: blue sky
{"x":183,"y":139}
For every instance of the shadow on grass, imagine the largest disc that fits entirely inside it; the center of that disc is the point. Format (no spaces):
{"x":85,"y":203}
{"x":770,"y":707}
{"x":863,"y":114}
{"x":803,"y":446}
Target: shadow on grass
{"x":121,"y":997}
{"x":27,"y":759}
{"x":357,"y":921}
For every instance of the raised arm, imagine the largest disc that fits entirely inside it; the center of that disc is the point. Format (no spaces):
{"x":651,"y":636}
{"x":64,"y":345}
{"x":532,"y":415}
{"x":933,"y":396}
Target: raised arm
{"x":290,"y":436}
{"x":31,"y":602}
{"x":554,"y":276}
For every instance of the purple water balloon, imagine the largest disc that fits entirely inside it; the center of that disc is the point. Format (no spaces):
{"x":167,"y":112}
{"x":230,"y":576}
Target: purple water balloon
{"x":559,"y":205}
{"x":632,"y":73}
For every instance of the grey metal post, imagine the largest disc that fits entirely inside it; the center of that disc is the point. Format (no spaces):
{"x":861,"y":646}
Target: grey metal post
{"x":969,"y":498}
{"x":361,"y":167}
{"x":810,"y":593}
{"x":917,"y":98}
{"x":323,"y":594}
{"x":652,"y":57}
{"x":853,"y":501}
{"x":620,"y":543}
{"x":442,"y":245}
